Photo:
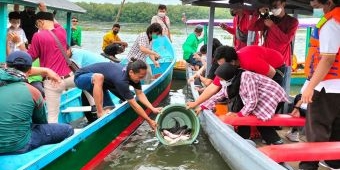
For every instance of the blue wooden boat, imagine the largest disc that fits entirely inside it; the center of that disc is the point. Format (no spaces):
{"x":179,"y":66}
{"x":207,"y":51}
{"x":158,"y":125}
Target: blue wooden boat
{"x":88,"y":146}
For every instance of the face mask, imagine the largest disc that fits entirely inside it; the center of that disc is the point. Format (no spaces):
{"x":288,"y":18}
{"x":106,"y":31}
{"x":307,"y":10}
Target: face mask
{"x":225,"y":83}
{"x":115,"y":32}
{"x":154,"y":36}
{"x":277,"y":12}
{"x":318,"y":12}
{"x":161,"y":14}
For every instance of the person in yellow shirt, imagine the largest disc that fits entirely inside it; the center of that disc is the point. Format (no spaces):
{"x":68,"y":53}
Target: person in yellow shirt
{"x":112,"y":38}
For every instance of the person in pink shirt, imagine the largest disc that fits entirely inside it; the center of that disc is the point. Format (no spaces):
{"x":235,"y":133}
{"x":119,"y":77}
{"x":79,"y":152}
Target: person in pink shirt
{"x":45,"y":47}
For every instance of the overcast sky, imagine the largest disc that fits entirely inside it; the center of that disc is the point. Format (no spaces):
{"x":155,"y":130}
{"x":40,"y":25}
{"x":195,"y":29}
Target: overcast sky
{"x":166,"y":2}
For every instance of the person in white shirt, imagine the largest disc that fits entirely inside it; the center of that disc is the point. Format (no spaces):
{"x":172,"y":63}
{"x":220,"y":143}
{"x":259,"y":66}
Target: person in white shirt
{"x":323,"y":91}
{"x":15,"y":31}
{"x":163,"y":20}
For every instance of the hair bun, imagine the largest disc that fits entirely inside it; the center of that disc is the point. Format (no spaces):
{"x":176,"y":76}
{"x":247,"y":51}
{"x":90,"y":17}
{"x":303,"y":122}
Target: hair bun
{"x":133,"y":60}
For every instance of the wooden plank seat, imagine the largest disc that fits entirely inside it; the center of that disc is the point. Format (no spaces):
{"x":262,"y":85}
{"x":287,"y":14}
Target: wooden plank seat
{"x":313,"y":151}
{"x":277,"y":120}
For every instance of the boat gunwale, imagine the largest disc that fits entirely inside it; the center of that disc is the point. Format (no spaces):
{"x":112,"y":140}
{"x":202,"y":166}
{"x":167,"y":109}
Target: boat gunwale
{"x":68,"y":144}
{"x":210,"y":120}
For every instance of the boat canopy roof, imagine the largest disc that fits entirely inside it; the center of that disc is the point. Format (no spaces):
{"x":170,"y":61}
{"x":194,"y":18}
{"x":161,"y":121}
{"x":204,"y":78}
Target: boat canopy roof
{"x":303,"y":22}
{"x":62,"y":5}
{"x":296,"y":6}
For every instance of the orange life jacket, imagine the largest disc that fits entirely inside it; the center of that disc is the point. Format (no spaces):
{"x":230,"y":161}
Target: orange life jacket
{"x":314,"y":57}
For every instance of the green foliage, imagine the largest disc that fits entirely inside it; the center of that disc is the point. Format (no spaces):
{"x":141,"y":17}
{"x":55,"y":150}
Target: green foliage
{"x":142,"y":12}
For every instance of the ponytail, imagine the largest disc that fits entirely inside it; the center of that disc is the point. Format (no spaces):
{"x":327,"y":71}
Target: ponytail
{"x":136,"y":65}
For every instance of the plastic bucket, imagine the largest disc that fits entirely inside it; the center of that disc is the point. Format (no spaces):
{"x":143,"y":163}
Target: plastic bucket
{"x":178,"y":112}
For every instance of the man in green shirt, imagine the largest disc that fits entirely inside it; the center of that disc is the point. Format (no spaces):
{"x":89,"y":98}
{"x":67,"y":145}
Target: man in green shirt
{"x":23,"y":120}
{"x":190,"y":47}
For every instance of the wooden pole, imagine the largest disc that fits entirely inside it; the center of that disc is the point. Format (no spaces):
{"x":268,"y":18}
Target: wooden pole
{"x":120,"y":11}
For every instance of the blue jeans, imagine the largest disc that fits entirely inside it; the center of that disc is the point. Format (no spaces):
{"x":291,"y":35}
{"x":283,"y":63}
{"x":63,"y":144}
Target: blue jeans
{"x":84,"y":82}
{"x":44,"y":134}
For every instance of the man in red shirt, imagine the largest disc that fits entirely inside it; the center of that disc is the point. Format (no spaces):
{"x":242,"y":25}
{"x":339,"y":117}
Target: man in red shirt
{"x":242,"y":19}
{"x":278,"y":31}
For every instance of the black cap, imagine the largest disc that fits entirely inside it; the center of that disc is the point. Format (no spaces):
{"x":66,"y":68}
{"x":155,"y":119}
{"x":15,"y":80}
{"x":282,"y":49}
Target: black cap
{"x":45,"y":16}
{"x":19,"y":58}
{"x":226,"y":71}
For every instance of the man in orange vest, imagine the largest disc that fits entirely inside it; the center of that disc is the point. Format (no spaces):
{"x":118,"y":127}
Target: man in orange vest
{"x":323,"y":91}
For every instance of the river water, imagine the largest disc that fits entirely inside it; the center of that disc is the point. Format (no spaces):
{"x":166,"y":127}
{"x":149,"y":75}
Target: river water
{"x":137,"y":152}
{"x":141,"y":151}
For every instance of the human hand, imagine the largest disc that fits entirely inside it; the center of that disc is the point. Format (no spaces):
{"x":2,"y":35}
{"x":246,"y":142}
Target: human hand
{"x":200,"y":89}
{"x":13,"y":37}
{"x":295,"y":112}
{"x":191,"y":79}
{"x":223,"y":26}
{"x":231,"y":114}
{"x":264,"y":10}
{"x":198,"y":110}
{"x":124,"y":44}
{"x":156,"y":63}
{"x":152,"y":124}
{"x":190,"y":105}
{"x":268,"y":22}
{"x":157,"y":110}
{"x":53,"y":76}
{"x":307,"y":95}
{"x":197,"y":56}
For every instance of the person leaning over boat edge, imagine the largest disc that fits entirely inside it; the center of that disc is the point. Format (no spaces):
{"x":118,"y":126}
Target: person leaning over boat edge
{"x":323,"y":91}
{"x":259,"y":95}
{"x":207,"y":80}
{"x":23,"y":119}
{"x":258,"y":59}
{"x":100,"y":77}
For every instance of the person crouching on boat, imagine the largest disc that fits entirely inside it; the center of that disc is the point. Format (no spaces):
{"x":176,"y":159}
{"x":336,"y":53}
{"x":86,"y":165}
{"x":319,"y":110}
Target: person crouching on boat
{"x":190,"y":48}
{"x":141,"y":48}
{"x":258,"y":94}
{"x":23,"y":118}
{"x":98,"y":78}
